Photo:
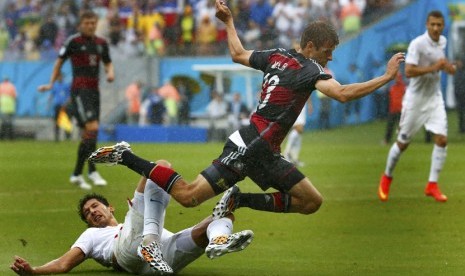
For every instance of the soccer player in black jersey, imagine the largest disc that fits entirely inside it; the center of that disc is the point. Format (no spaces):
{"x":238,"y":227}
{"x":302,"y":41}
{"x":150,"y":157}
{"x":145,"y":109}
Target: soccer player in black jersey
{"x":86,"y":51}
{"x":253,"y":151}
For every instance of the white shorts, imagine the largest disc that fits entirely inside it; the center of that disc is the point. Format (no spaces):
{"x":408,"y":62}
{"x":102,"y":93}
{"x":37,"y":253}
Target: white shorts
{"x":433,"y":119}
{"x":302,"y":119}
{"x":178,"y":249}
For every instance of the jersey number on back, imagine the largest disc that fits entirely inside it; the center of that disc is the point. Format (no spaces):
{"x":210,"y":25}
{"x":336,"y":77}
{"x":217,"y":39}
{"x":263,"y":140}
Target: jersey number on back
{"x":269,"y":83}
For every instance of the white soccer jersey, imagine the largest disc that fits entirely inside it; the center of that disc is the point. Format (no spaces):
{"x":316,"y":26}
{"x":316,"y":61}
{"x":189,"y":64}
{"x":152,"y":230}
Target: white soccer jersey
{"x":424,"y":92}
{"x":423,"y":104}
{"x":97,"y":243}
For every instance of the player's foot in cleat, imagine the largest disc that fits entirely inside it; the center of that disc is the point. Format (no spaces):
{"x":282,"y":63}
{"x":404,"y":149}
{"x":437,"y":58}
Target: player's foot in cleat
{"x":110,"y":155}
{"x":97,"y":179}
{"x":152,"y":255}
{"x":432,"y":189}
{"x":384,"y":185}
{"x":79,"y":181}
{"x":228,"y":243}
{"x":227,"y":204}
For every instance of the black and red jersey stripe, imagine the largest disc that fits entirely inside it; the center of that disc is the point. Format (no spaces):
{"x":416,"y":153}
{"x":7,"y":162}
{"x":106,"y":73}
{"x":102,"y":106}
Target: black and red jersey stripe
{"x":85,"y":54}
{"x":289,"y":79}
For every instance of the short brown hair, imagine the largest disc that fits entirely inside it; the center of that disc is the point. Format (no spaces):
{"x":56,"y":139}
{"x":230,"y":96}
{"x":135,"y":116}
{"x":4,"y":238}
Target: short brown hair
{"x":435,"y":13}
{"x":87,"y":14}
{"x":319,"y":32}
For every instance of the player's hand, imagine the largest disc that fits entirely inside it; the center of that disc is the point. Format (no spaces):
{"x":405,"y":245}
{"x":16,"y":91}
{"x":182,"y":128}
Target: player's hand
{"x":21,"y":267}
{"x":110,"y":78}
{"x":393,"y":65}
{"x":223,"y":13}
{"x":44,"y":87}
{"x":441,"y":64}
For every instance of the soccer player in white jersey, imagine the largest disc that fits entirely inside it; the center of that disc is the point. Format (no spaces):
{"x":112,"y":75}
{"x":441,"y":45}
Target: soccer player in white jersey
{"x":141,"y":245}
{"x":423,"y":104}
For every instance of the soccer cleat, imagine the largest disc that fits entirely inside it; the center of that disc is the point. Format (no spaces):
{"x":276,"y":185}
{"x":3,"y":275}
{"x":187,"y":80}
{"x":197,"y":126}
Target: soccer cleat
{"x":432,"y":189}
{"x":384,"y":185}
{"x":79,"y":181}
{"x":227,"y":204}
{"x":152,"y":255}
{"x":228,"y":243}
{"x":97,"y":179}
{"x":110,"y":155}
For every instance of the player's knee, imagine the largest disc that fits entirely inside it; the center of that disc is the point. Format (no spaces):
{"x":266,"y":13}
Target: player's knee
{"x":441,"y":141}
{"x":312,"y":205}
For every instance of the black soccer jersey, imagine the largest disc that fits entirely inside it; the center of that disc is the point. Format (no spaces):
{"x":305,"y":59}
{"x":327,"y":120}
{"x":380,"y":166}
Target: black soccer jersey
{"x":85,"y":54}
{"x":289,"y":79}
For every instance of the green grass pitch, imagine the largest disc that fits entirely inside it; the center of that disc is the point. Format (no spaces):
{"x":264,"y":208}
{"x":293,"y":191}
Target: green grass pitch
{"x":352,"y":234}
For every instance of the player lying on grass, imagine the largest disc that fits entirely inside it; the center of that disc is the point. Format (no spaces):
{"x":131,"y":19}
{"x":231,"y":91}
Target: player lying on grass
{"x":141,"y":245}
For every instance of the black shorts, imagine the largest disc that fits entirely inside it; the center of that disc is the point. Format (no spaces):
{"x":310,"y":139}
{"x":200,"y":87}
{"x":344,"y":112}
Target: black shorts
{"x":85,"y":106}
{"x":258,"y":162}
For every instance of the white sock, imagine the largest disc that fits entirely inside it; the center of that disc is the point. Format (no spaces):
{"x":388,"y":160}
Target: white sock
{"x":438,"y":158}
{"x":291,"y":140}
{"x":393,"y":157}
{"x":219,"y":227}
{"x":296,"y":146}
{"x":156,"y":200}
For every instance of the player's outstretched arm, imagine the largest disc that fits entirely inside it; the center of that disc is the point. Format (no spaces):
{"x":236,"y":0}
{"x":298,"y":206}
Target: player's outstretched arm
{"x":238,"y":53}
{"x":64,"y":264}
{"x":55,"y":73}
{"x":345,"y":93}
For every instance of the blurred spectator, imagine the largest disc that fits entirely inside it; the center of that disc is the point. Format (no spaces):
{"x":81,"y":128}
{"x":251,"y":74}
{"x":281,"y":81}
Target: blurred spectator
{"x":153,"y":109}
{"x":171,"y":99}
{"x":155,"y":42}
{"x":60,"y":97}
{"x":351,"y":17}
{"x":206,"y":36}
{"x":4,"y":40}
{"x":47,"y":32}
{"x":260,"y":13}
{"x":7,"y":108}
{"x":217,"y":115}
{"x":184,"y":103}
{"x":238,"y":113}
{"x":242,"y":17}
{"x":11,"y":17}
{"x":116,"y":28}
{"x":133,"y":97}
{"x":283,"y":13}
{"x":168,"y":8}
{"x":187,"y":29}
{"x":396,"y":94}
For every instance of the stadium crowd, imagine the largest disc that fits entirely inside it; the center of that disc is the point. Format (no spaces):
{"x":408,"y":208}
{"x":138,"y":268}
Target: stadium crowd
{"x":36,"y":29}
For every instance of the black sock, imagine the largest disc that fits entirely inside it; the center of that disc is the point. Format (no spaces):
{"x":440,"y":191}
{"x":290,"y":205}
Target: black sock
{"x":137,"y":164}
{"x":270,"y":202}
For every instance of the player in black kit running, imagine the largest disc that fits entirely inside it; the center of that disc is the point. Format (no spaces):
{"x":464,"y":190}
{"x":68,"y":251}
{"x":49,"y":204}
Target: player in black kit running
{"x":290,"y":76}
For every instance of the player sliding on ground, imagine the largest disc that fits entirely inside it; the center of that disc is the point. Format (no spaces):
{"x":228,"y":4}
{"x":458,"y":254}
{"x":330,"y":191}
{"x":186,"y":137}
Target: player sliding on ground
{"x":290,"y":76}
{"x":141,"y":245}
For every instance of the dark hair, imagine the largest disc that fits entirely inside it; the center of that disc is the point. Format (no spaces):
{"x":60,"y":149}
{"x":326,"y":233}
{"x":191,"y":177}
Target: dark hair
{"x":87,"y":197}
{"x":435,"y":13}
{"x":87,"y":14}
{"x":319,"y":32}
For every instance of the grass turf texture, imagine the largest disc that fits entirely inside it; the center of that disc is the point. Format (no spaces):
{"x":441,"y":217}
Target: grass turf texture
{"x":352,"y":234}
